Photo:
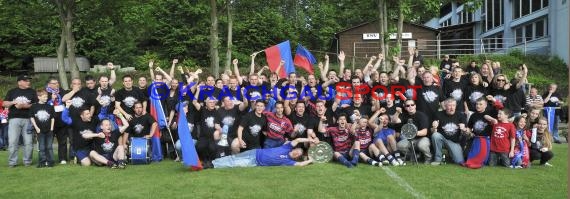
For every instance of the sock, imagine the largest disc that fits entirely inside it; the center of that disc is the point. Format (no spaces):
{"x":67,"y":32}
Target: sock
{"x":355,"y":156}
{"x":344,"y":161}
{"x":392,"y":160}
{"x":397,"y":154}
{"x":381,"y":157}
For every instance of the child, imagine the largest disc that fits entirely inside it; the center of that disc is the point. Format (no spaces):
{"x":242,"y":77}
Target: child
{"x":363,"y":135}
{"x":42,"y":118}
{"x":502,"y":138}
{"x":541,"y":143}
{"x":521,"y":158}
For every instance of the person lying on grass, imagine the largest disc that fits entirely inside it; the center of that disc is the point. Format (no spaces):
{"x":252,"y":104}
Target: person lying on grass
{"x":285,"y":155}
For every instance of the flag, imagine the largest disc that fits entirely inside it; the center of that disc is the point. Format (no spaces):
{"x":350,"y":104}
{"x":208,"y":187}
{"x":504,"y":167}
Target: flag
{"x":189,"y":154}
{"x":550,"y":114}
{"x":304,"y":59}
{"x":479,"y":153}
{"x":275,"y":54}
{"x":157,"y":113}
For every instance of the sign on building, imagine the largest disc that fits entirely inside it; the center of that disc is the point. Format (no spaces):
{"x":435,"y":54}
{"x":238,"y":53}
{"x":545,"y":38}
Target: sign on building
{"x":370,"y":36}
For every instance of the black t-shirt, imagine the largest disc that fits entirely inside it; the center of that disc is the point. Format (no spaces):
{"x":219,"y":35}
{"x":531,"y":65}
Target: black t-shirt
{"x":252,"y":126}
{"x":428,"y":100}
{"x":128,"y":98}
{"x":419,"y":119}
{"x":479,"y":125}
{"x":456,"y":90}
{"x":209,"y":120}
{"x":81,"y":100}
{"x":472,"y":94}
{"x":140,"y":126}
{"x":555,"y":99}
{"x":108,"y":144}
{"x":229,"y":118}
{"x":79,"y":128}
{"x":449,"y":125}
{"x":22,"y":96}
{"x":510,"y":98}
{"x":302,"y":124}
{"x":363,"y":109}
{"x":208,"y":92}
{"x":42,"y":114}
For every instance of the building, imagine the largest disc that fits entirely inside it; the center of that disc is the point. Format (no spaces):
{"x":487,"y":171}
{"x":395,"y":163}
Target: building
{"x":532,"y":26}
{"x":362,"y":41}
{"x":49,"y":64}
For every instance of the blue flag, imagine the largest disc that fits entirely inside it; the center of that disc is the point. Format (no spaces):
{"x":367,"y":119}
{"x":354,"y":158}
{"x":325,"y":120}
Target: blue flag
{"x":550,"y":113}
{"x":189,"y":154}
{"x":157,"y":112}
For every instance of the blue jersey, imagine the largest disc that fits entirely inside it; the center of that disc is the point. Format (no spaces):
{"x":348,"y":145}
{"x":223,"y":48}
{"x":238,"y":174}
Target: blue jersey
{"x":277,"y":156}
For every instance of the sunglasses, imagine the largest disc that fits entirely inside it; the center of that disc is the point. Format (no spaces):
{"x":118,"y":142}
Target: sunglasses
{"x":410,"y":105}
{"x":501,"y":80}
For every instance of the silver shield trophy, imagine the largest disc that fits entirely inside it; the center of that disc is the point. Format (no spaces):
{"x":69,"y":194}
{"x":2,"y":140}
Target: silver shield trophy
{"x":409,"y":132}
{"x":321,"y":153}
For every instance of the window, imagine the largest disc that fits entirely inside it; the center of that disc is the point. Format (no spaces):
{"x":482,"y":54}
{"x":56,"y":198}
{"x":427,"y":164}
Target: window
{"x":518,"y":35}
{"x":494,"y":16}
{"x":493,"y":42}
{"x":524,"y":7}
{"x":539,"y":28}
{"x":531,"y":31}
{"x":528,"y":32}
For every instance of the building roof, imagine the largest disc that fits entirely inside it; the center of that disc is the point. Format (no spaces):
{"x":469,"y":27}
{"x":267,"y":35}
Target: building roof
{"x":49,"y":64}
{"x":366,"y":23}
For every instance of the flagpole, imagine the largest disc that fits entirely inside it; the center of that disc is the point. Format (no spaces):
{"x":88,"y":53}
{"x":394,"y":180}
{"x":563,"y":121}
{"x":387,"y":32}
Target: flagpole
{"x":169,"y":132}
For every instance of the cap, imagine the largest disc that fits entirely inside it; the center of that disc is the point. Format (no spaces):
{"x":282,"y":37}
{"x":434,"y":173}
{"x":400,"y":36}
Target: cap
{"x":24,"y":77}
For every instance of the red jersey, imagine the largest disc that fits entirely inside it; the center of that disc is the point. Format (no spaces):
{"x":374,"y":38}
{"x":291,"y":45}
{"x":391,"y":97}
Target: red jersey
{"x":501,"y":137}
{"x":342,"y":139}
{"x":277,"y":127}
{"x":364,"y":136}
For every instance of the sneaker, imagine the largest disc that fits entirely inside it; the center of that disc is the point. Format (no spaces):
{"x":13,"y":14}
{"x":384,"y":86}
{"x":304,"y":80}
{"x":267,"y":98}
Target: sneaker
{"x":400,"y":161}
{"x":63,"y":162}
{"x":121,"y":166}
{"x":395,"y":163}
{"x":548,"y":164}
{"x":114,"y":166}
{"x":435,"y":163}
{"x":123,"y":163}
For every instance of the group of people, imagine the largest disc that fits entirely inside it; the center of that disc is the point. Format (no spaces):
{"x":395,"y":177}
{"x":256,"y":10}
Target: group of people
{"x":263,"y":119}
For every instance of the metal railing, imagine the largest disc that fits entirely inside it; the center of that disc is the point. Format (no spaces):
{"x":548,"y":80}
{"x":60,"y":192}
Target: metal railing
{"x":455,"y":47}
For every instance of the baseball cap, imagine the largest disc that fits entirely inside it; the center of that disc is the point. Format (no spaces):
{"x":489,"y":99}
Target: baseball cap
{"x":24,"y":77}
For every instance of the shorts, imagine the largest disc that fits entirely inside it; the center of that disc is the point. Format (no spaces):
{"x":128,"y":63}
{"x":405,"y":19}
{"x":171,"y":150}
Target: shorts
{"x":345,"y":154}
{"x":81,"y":154}
{"x":383,"y":135}
{"x":365,"y":151}
{"x":108,"y":156}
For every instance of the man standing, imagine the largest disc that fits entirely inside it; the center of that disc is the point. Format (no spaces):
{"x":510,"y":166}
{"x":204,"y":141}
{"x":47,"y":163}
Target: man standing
{"x":249,"y":129}
{"x":19,"y":100}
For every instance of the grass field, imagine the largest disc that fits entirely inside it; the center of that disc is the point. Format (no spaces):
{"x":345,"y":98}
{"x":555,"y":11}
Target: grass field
{"x":170,"y":179}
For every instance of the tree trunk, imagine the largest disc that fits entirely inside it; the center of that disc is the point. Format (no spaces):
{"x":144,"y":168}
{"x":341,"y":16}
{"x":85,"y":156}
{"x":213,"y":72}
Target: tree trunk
{"x":386,"y":41}
{"x":214,"y":58}
{"x":70,"y":39}
{"x":60,"y":62}
{"x":399,"y":29}
{"x":381,"y":25}
{"x":230,"y":32}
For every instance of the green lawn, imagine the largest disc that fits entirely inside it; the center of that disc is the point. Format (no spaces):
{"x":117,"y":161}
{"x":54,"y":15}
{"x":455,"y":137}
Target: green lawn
{"x":170,"y":179}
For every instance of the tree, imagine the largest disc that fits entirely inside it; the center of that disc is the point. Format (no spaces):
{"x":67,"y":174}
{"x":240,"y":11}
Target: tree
{"x":229,"y":41}
{"x":66,"y":11}
{"x":214,"y":58}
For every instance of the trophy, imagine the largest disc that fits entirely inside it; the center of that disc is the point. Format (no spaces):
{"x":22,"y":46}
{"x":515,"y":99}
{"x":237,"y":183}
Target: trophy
{"x":409,"y":132}
{"x":321,"y":153}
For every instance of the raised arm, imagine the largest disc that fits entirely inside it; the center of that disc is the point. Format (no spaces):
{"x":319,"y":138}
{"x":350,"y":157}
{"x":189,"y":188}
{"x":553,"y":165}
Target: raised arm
{"x":341,"y":58}
{"x":174,"y":62}
{"x":113,"y":76}
{"x":151,"y":69}
{"x":123,"y":128}
{"x":236,"y":71}
{"x":252,"y":65}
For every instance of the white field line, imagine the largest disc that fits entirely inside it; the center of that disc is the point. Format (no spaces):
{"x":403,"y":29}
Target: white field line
{"x":402,"y":183}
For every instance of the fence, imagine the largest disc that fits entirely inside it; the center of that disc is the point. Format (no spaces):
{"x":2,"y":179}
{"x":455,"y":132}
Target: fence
{"x":362,"y":51}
